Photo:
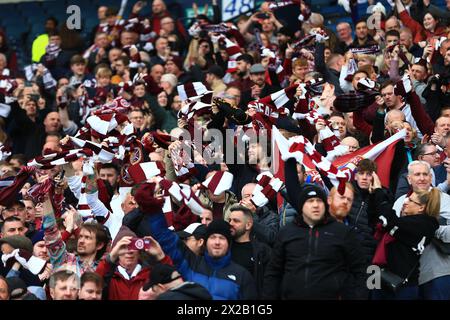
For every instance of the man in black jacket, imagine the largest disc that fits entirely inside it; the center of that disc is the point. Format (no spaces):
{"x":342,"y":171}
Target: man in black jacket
{"x":358,"y":218}
{"x":314,"y":257}
{"x":246,"y":251}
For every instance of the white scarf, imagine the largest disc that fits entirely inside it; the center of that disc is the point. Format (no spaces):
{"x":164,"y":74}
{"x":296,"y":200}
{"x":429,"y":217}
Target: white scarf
{"x":124,"y":272}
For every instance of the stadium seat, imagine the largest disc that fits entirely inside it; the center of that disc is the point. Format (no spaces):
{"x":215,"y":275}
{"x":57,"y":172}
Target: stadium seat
{"x":333,"y":11}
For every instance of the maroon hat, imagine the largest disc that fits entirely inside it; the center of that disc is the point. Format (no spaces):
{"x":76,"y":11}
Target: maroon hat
{"x":177,"y":60}
{"x":124,"y":231}
{"x":146,"y":200}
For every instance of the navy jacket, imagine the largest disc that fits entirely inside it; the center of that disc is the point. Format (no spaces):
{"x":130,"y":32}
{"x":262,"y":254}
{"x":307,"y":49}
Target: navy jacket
{"x":224,"y":279}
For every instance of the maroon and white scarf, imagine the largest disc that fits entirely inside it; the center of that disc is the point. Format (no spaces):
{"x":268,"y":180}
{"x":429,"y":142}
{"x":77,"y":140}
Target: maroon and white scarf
{"x":102,"y":153}
{"x":51,"y":160}
{"x":299,"y":147}
{"x":182,"y":161}
{"x":266,"y":189}
{"x":183,"y":194}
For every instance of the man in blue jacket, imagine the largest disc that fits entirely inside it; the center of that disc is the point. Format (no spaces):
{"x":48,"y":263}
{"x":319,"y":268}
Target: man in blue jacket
{"x":224,"y":279}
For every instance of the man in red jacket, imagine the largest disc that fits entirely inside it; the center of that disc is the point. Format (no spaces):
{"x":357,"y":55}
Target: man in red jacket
{"x":124,"y":276}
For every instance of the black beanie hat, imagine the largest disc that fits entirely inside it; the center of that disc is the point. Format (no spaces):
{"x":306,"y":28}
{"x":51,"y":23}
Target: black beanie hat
{"x":311,"y":191}
{"x":221,"y":227}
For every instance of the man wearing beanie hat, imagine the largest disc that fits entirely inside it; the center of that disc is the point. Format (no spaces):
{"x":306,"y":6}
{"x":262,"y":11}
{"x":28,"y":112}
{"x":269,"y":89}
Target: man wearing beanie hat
{"x":39,"y":248}
{"x":315,"y":257}
{"x":214,"y":270}
{"x":174,"y":65}
{"x":214,"y":77}
{"x":124,"y":276}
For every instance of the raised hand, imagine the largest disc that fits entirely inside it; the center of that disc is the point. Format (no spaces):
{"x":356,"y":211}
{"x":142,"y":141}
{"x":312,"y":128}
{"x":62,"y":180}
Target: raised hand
{"x":155,"y":249}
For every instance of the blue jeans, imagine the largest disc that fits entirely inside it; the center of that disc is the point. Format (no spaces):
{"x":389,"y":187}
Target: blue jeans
{"x":436,"y":289}
{"x":404,"y":293}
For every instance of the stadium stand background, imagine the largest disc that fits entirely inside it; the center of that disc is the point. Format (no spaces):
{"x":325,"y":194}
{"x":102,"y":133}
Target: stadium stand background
{"x":24,"y":21}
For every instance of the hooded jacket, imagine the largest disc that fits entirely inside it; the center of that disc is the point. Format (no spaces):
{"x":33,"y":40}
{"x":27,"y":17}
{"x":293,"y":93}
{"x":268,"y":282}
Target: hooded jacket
{"x":224,"y":279}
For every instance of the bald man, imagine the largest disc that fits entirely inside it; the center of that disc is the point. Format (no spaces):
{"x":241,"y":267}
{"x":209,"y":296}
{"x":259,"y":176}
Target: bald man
{"x":351,"y":143}
{"x":265,"y":221}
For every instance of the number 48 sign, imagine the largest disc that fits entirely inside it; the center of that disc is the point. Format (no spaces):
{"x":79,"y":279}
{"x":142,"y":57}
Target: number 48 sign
{"x":234,"y":8}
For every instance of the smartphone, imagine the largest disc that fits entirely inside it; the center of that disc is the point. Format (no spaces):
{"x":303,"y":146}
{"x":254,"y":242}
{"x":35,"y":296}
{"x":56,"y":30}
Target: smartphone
{"x":34,"y":97}
{"x":139,"y":244}
{"x":262,"y":15}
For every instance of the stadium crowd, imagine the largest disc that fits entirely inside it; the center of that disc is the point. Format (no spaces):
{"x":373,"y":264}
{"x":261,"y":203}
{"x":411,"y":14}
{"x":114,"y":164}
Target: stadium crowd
{"x":106,"y":194}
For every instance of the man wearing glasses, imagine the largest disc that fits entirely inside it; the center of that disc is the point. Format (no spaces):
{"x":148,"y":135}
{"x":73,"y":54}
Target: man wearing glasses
{"x":16,"y":209}
{"x":428,"y":153}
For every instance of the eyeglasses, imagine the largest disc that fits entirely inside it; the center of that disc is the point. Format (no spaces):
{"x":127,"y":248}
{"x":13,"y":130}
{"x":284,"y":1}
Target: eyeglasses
{"x":413,"y":201}
{"x":434,"y":153}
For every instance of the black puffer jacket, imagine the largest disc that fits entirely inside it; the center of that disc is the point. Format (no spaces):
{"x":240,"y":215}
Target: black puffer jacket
{"x":265,"y":225}
{"x":322,"y":262}
{"x":358,"y":220}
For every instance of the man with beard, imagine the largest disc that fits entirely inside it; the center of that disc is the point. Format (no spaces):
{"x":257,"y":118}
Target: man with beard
{"x":246,"y":250}
{"x":243,"y":64}
{"x":260,"y":87}
{"x":341,"y":204}
{"x":91,"y":244}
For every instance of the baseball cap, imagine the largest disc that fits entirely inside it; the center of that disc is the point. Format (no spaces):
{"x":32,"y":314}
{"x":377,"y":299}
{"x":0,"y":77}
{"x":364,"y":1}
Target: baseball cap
{"x":257,"y":68}
{"x":162,"y":274}
{"x":196,"y":229}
